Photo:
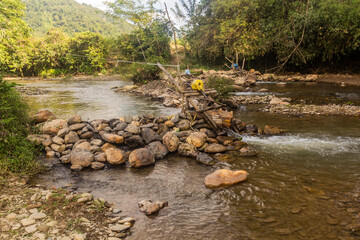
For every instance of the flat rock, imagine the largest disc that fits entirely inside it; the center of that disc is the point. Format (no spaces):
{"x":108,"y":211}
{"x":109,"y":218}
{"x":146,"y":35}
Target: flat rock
{"x":27,"y":222}
{"x":31,"y":229}
{"x":97,"y":165}
{"x":224,"y":178}
{"x":119,"y":227}
{"x":113,"y":138}
{"x":215,"y":148}
{"x":38,"y":216}
{"x":77,"y":126}
{"x":54,"y":126}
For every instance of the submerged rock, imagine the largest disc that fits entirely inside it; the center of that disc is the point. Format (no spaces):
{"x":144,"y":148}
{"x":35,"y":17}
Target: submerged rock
{"x":149,"y":207}
{"x":271,"y":130}
{"x":141,"y":157}
{"x":224,"y":178}
{"x":205,"y":159}
{"x":248,"y":152}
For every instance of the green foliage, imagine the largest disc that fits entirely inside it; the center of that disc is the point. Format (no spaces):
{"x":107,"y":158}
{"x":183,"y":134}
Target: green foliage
{"x":16,"y":153}
{"x":145,"y":73}
{"x":72,"y":17}
{"x":308,"y":32}
{"x":223,"y":85}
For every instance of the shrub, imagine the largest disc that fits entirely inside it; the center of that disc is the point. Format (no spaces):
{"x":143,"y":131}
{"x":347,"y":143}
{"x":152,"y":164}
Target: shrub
{"x":17,"y":154}
{"x":223,"y":85}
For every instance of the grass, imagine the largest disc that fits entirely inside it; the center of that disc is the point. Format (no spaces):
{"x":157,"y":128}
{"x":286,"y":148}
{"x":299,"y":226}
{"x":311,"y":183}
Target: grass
{"x":17,"y":154}
{"x":223,"y":85}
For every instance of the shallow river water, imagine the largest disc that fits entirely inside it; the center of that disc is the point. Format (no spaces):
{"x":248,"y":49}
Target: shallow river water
{"x":304,"y":184}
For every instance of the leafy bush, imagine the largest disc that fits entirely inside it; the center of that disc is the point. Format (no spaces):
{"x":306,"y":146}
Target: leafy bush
{"x":16,"y":153}
{"x":223,"y":85}
{"x":145,"y":73}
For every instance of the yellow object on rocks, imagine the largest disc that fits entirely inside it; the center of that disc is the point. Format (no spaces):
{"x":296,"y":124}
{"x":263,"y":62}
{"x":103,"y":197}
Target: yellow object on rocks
{"x":198,"y":85}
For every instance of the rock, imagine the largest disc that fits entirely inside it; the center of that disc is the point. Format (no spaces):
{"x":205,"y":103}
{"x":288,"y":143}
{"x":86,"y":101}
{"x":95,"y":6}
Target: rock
{"x":175,"y":118}
{"x":96,"y":142}
{"x":169,"y":124}
{"x":75,"y":120}
{"x":47,"y":142}
{"x":171,"y":141}
{"x":65,"y":159}
{"x":248,"y":152}
{"x":84,"y":146}
{"x":97,"y":165}
{"x":133,"y":129}
{"x":148,"y":207}
{"x":101,"y":157}
{"x":120,"y":127}
{"x":149,"y":135}
{"x":215,"y":148}
{"x":225,"y":139}
{"x":311,"y":78}
{"x":197,"y":139}
{"x":251,"y":129}
{"x":81,"y":157}
{"x":53,"y":127}
{"x":79,"y":237}
{"x":77,"y":126}
{"x":71,"y":137}
{"x":11,"y":216}
{"x":127,"y":219}
{"x":43,"y":116}
{"x":205,"y":159}
{"x":63,"y":132}
{"x":50,"y":154}
{"x":224,"y":178}
{"x":263,"y":90}
{"x":27,"y":222}
{"x":187,"y":150}
{"x":43,"y":228}
{"x":141,"y":157}
{"x":119,"y":227}
{"x":76,"y":167}
{"x":134,"y":142}
{"x":270,"y":130}
{"x":113,"y":138}
{"x":107,"y":146}
{"x":86,"y":135}
{"x":276,"y":100}
{"x":58,"y":140}
{"x":115,"y":156}
{"x":38,"y":139}
{"x":38,"y":216}
{"x":158,"y":149}
{"x":184,"y":125}
{"x":31,"y":229}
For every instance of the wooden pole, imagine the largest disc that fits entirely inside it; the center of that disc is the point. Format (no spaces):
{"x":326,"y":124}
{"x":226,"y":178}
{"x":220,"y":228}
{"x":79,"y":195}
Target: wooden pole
{"x":170,"y":77}
{"x":237,"y":59}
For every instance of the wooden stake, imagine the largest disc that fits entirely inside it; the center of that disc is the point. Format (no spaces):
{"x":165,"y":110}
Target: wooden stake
{"x":237,"y":59}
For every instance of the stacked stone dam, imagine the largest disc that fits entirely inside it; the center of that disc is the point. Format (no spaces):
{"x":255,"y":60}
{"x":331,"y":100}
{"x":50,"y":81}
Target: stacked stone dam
{"x":139,"y":141}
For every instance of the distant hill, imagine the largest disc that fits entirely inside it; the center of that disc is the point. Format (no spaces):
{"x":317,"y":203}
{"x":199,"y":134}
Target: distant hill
{"x":72,"y":17}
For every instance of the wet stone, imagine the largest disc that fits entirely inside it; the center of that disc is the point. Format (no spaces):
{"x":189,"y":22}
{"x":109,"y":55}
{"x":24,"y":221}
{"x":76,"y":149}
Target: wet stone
{"x":118,"y":227}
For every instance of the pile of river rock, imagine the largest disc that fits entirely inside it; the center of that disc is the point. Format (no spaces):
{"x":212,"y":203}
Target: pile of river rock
{"x":137,"y":141}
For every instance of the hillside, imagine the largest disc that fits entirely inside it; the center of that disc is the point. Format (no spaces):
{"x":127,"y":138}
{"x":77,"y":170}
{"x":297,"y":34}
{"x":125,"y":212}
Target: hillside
{"x":71,"y":16}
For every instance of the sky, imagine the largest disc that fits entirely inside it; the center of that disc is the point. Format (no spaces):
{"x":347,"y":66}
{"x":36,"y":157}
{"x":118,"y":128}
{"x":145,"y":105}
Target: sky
{"x":99,"y":3}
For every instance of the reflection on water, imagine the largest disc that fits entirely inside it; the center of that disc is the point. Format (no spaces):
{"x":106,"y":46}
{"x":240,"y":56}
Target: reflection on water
{"x":91,"y":99}
{"x":304,"y":184}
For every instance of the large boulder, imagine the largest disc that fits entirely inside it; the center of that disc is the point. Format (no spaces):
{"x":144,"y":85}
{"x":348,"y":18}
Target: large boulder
{"x":112,"y":138}
{"x":43,"y":116}
{"x":115,"y":156}
{"x":224,"y":178}
{"x":158,"y":149}
{"x":187,"y":150}
{"x":171,"y":141}
{"x":197,"y":139}
{"x":54,"y":126}
{"x":215,"y":148}
{"x":141,"y":157}
{"x":149,"y":135}
{"x":81,"y":157}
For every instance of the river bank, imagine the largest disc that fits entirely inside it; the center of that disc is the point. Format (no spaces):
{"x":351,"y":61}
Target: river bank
{"x":31,"y":212}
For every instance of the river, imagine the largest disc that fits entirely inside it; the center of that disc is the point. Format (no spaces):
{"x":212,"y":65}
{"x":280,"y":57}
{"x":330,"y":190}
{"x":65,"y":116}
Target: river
{"x":304,"y":184}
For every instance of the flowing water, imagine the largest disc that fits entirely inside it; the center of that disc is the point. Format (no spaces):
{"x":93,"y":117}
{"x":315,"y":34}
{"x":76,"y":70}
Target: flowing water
{"x":304,"y":184}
